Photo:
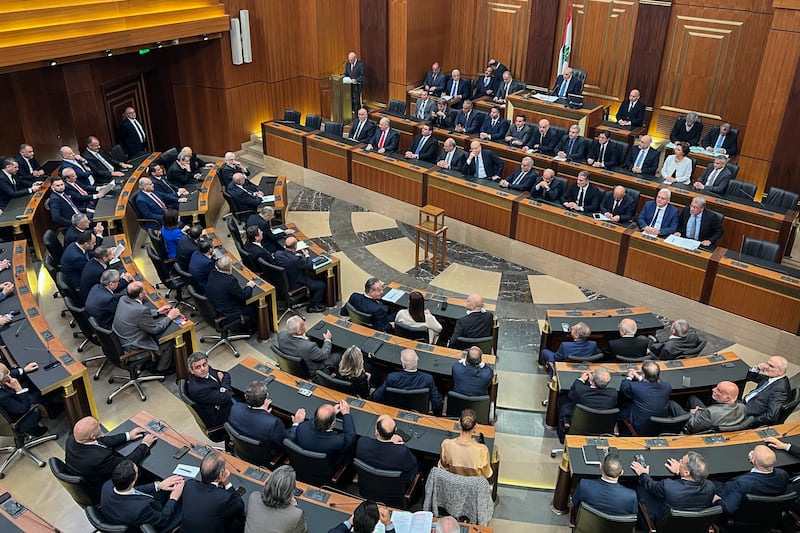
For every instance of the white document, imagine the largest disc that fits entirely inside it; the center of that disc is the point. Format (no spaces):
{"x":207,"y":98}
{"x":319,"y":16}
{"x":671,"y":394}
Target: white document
{"x":117,"y":252}
{"x":301,"y":245}
{"x":419,"y":522}
{"x":188,"y":471}
{"x":683,"y":242}
{"x":393,"y":296}
{"x":546,"y":97}
{"x":268,"y":198}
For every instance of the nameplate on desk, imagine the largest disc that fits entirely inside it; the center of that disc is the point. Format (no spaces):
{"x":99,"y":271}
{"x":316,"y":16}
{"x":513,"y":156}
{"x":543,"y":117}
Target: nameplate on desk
{"x":37,"y":195}
{"x":203,"y":190}
{"x":625,"y":311}
{"x":579,"y":367}
{"x":237,"y":266}
{"x":46,"y":335}
{"x":255,"y":473}
{"x":609,"y":225}
{"x":405,"y":288}
{"x":381,"y":335}
{"x":714,"y":439}
{"x":310,"y":387}
{"x":66,"y":359}
{"x":202,"y":203}
{"x":573,"y":313}
{"x":202,"y":451}
{"x":714,"y":358}
{"x":501,"y":193}
{"x":471,"y":183}
{"x":156,"y":426}
{"x":317,"y":495}
{"x":656,"y":443}
{"x":343,"y":323}
{"x":137,"y":277}
{"x":32,"y":312}
{"x":597,"y":441}
{"x":630,"y":366}
{"x":120,"y":208}
{"x":673,"y":364}
{"x":409,"y":417}
{"x":127,"y":260}
{"x":424,"y":347}
{"x":571,"y":214}
{"x":766,"y":432}
{"x":790,"y":279}
{"x":264,"y":369}
{"x":415,"y":167}
{"x":355,"y":402}
{"x":13,"y":508}
{"x":437,"y":298}
{"x":740,"y":265}
{"x":153,"y":296}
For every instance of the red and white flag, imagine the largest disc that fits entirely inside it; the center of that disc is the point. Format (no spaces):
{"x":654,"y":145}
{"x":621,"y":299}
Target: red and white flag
{"x":566,"y":43}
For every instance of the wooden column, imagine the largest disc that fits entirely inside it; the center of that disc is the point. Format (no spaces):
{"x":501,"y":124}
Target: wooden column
{"x":652,"y":22}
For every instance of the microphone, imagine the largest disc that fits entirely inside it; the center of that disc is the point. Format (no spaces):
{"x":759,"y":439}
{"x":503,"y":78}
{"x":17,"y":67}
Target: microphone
{"x":751,"y":196}
{"x":181,"y":435}
{"x":737,"y":434}
{"x":19,"y":329}
{"x":790,"y":430}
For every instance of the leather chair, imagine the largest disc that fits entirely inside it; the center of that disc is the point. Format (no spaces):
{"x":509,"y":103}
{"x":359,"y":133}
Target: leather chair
{"x":290,"y":115}
{"x":733,"y":168}
{"x":171,"y":281}
{"x":397,"y":107}
{"x":288,"y":299}
{"x":239,"y":214}
{"x":215,"y":434}
{"x":590,"y":520}
{"x":741,"y":189}
{"x":314,"y":122}
{"x":781,"y":199}
{"x":313,"y":467}
{"x":139,"y":218}
{"x":251,"y":450}
{"x":626,"y":359}
{"x":118,"y":153}
{"x":330,"y":382}
{"x":789,"y":407}
{"x":693,"y":352}
{"x":768,"y":251}
{"x":295,"y":366}
{"x":132,"y":361}
{"x":760,"y":513}
{"x":486,"y":344}
{"x":77,"y":487}
{"x":559,"y":131}
{"x":590,"y":422}
{"x":419,"y":334}
{"x":357,"y":317}
{"x":659,"y":425}
{"x":385,"y":486}
{"x":53,"y":245}
{"x":234,"y":231}
{"x":22,"y":446}
{"x":168,"y":157}
{"x":621,"y":147}
{"x":81,"y":318}
{"x":158,"y":244}
{"x":411,"y":400}
{"x":335,"y":129}
{"x":635,"y":195}
{"x":580,"y":75}
{"x":457,"y":402}
{"x":101,"y":523}
{"x":221,"y":325}
{"x":675,"y":521}
{"x":588,"y":359}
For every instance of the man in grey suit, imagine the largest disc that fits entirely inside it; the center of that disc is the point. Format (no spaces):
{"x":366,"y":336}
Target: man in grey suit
{"x":136,"y":326}
{"x":451,"y":157}
{"x":425,"y":107}
{"x":294,"y":342}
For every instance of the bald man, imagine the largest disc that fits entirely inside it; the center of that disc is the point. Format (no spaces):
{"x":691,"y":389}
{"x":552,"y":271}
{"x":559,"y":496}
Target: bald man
{"x":355,"y":70}
{"x":385,"y":139}
{"x":297,"y":265}
{"x":477,"y":323}
{"x":763,"y":480}
{"x":725,"y":412}
{"x":642,"y":159}
{"x":628,"y":344}
{"x":566,"y":84}
{"x":771,"y":392}
{"x":617,"y":205}
{"x":387,"y":450}
{"x":631,"y":113}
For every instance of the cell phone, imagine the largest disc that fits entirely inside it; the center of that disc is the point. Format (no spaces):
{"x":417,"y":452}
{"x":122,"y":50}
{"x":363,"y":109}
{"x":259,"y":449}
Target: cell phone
{"x":639,"y":458}
{"x":240,"y":491}
{"x":181,"y":320}
{"x":443,"y":306}
{"x":612,"y":450}
{"x":298,"y":492}
{"x":180,"y":453}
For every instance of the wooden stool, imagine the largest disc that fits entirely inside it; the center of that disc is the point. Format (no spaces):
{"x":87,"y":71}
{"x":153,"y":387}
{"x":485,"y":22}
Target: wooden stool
{"x":431,"y":227}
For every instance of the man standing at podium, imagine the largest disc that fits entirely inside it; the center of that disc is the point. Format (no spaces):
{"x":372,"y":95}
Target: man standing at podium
{"x":354,"y":69}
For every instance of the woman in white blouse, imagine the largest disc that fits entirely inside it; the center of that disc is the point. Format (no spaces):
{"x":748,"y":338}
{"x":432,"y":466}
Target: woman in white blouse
{"x":417,"y":316}
{"x":677,"y":168}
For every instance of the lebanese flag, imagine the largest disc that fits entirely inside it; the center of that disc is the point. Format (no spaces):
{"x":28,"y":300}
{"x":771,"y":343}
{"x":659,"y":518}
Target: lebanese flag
{"x":566,"y":43}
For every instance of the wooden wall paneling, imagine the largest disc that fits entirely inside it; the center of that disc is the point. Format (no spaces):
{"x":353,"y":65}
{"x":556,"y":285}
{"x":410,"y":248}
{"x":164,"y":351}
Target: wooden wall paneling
{"x":262,"y":36}
{"x":333,"y":44}
{"x":755,"y":6}
{"x":398,"y":45}
{"x":465,"y":50}
{"x":544,"y":34}
{"x":502,"y":33}
{"x":428,"y":33}
{"x":11,"y":135}
{"x":661,"y":266}
{"x":374,"y":49}
{"x":118,"y":96}
{"x":652,"y":21}
{"x":86,"y":102}
{"x":785,"y":162}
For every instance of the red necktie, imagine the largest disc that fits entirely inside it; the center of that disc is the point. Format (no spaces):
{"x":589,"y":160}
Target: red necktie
{"x":382,"y":140}
{"x":158,"y":201}
{"x":79,"y":189}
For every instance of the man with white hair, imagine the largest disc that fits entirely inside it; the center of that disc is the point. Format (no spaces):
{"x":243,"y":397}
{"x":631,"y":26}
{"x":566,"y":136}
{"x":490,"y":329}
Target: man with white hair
{"x":680,"y":341}
{"x":447,"y":524}
{"x":69,"y":159}
{"x":772,"y":390}
{"x":385,"y":139}
{"x":231,"y":167}
{"x":293,"y":341}
{"x":409,"y":379}
{"x":658,"y":218}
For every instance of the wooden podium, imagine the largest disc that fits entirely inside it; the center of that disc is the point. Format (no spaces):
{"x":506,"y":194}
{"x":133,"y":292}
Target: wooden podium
{"x":341,"y":100}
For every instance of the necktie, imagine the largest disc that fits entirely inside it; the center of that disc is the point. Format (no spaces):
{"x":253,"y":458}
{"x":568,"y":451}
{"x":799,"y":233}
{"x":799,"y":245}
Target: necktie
{"x":448,"y":158}
{"x":581,"y":192}
{"x":105,"y":163}
{"x":486,"y":80}
{"x":11,"y":179}
{"x":454,"y":89}
{"x":691,"y":228}
{"x":79,"y":189}
{"x":494,"y":122}
{"x":752,"y":394}
{"x":508,"y":86}
{"x":70,"y":202}
{"x":571,"y":144}
{"x":614,"y":209}
{"x":720,"y":140}
{"x":158,"y":201}
{"x":640,"y":158}
{"x":712,"y":177}
{"x":421,"y":110}
{"x":138,"y":128}
{"x":419,"y":146}
{"x":518,"y":179}
{"x":603,"y":154}
{"x":30,"y":167}
{"x":630,"y":107}
{"x":563,"y":92}
{"x":166,"y":183}
{"x":481,"y":173}
{"x":382,"y":140}
{"x":655,"y":218}
{"x":358,"y":130}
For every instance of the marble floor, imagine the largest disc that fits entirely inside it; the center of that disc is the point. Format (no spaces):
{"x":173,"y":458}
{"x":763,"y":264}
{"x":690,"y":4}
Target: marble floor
{"x":372,"y":236}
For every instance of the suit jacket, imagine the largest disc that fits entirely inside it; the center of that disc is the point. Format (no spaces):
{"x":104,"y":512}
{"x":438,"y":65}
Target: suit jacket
{"x":471,"y":380}
{"x":650,"y":164}
{"x":715,"y":416}
{"x":60,"y":210}
{"x":96,"y":463}
{"x":523,"y":135}
{"x":447,"y":122}
{"x":134,"y":510}
{"x":164,"y":188}
{"x":481,"y":86}
{"x":260,"y":425}
{"x":646,"y":399}
{"x":573,"y":86}
{"x":473,"y":325}
{"x":226,"y":296}
{"x":730,"y":144}
{"x":180,"y":177}
{"x":710,"y":225}
{"x":245,"y":199}
{"x":222,"y":509}
{"x":101,"y":303}
{"x":10,"y":190}
{"x":546,"y":143}
{"x":436,"y":82}
{"x":429,"y":149}
{"x":99,"y":170}
{"x":226,"y":173}
{"x":366,"y":133}
{"x":579,"y":348}
{"x":356,"y":72}
{"x":553,"y":195}
{"x":129,"y":139}
{"x":527,"y":180}
{"x":635,"y":115}
{"x":457,"y":161}
{"x":316,"y":358}
{"x":213,"y":397}
{"x":591,"y":199}
{"x":471,"y":123}
{"x":625,"y":210}
{"x":409,"y":381}
{"x":296,"y":267}
{"x":679,"y":132}
{"x":610,"y":498}
{"x":337,"y":446}
{"x":628,"y":347}
{"x":259,"y":252}
{"x":71,"y":235}
{"x":759,"y":484}
{"x":464,"y":89}
{"x":672,"y":348}
{"x":387,"y":456}
{"x":84,"y":175}
{"x":263,"y":519}
{"x":186,"y":247}
{"x":379,"y":312}
{"x":24,"y":173}
{"x":613,"y":157}
{"x":504,"y":91}
{"x":580,"y":148}
{"x":423,"y":109}
{"x":720,"y":182}
{"x":72,"y":262}
{"x":492,"y":164}
{"x":135,"y":326}
{"x":390,"y":144}
{"x":498,"y":131}
{"x":81,"y":200}
{"x":148,"y":208}
{"x":582,"y":393}
{"x":91,"y":277}
{"x":766,"y":405}
{"x":669,"y":220}
{"x":680,"y":494}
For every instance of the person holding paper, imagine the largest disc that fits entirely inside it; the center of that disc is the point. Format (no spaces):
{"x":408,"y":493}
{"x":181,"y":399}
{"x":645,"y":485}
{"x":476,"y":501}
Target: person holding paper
{"x":365,"y":518}
{"x":94,"y":268}
{"x":355,"y":70}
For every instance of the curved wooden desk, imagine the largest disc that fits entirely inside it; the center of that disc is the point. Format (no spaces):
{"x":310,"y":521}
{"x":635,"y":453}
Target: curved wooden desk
{"x":28,"y":218}
{"x":22,"y":518}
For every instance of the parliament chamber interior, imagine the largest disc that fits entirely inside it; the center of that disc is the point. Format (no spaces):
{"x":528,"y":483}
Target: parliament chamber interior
{"x":140,"y":112}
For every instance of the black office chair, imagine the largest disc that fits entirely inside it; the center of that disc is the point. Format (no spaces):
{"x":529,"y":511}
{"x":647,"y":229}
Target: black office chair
{"x":486,"y":344}
{"x":143,"y":222}
{"x":247,"y":260}
{"x":580,"y":75}
{"x":168,"y":157}
{"x":234,"y":231}
{"x":357,"y":317}
{"x":118,"y":153}
{"x":81,"y":318}
{"x":224,"y":327}
{"x":768,"y":251}
{"x":675,"y":521}
{"x":334,"y":128}
{"x":741,"y":189}
{"x":781,"y":199}
{"x":590,"y":520}
{"x":588,"y":359}
{"x":187,"y":277}
{"x":253,"y":451}
{"x":52,"y":268}
{"x":410,"y":400}
{"x":22,"y":446}
{"x":158,"y":244}
{"x":75,"y":485}
{"x":239,"y":214}
{"x":622,"y":147}
{"x":693,"y":351}
{"x":760,"y":513}
{"x":215,"y":434}
{"x":53,"y":245}
{"x":330,"y":382}
{"x":733,"y":168}
{"x":627,"y":359}
{"x":419,"y":334}
{"x":290,"y":115}
{"x":560,"y":133}
{"x":397,"y":107}
{"x":64,"y":288}
{"x":385,"y":486}
{"x":313,"y":467}
{"x":590,"y":422}
{"x":132,"y":361}
{"x":789,"y":407}
{"x":660,"y":425}
{"x":634,"y":195}
{"x":314,"y":122}
{"x":295,"y":366}
{"x":457,"y":402}
{"x":288,"y":299}
{"x":100,"y":522}
{"x":171,"y":281}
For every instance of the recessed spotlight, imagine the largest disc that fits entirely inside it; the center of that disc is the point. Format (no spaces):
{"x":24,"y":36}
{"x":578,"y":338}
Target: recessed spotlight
{"x":205,"y":36}
{"x":159,"y":44}
{"x":109,"y":53}
{"x":52,"y":62}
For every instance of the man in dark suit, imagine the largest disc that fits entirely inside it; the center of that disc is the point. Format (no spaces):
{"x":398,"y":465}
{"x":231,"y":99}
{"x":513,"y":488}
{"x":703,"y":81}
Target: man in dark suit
{"x":692,"y":491}
{"x":482,"y":164}
{"x":385,"y":138}
{"x":215,"y":505}
{"x":131,"y":134}
{"x":631,"y":113}
{"x":545,"y":139}
{"x":162,"y":186}
{"x":519,"y":133}
{"x":102,"y":299}
{"x":716,"y":176}
{"x":451,"y":157}
{"x":10,"y":187}
{"x":506,"y":88}
{"x":572,"y":146}
{"x":642,"y":159}
{"x":763,"y":480}
{"x":499,"y":68}
{"x":644,"y":394}
{"x":444,"y":117}
{"x":77,"y":163}
{"x":293,"y":341}
{"x":355,"y":70}
{"x":698,"y":224}
{"x":522,"y":178}
{"x":468,"y":120}
{"x":772,"y":390}
{"x":228,"y":298}
{"x":29,"y":168}
{"x":151,"y":204}
{"x":83,"y":198}
{"x":202,"y":262}
{"x":103,"y":166}
{"x":411,"y":378}
{"x":456,"y":90}
{"x":435,"y":80}
{"x":471,"y":376}
{"x":628,"y":344}
{"x":486,"y":85}
{"x":566,"y":84}
{"x":424,"y":146}
{"x":617,"y":206}
{"x":297,"y":266}
{"x":606,"y":494}
{"x":369,"y":303}
{"x":579,"y":346}
{"x":94,"y":269}
{"x":722,"y":140}
{"x":75,"y":258}
{"x":245,"y":193}
{"x":17,"y":401}
{"x":582,"y":195}
{"x":61,"y":205}
{"x":229,"y":168}
{"x":255,"y":247}
{"x":270,"y":240}
{"x":319,"y":435}
{"x":210,"y":389}
{"x":93,"y":455}
{"x":687,"y":129}
{"x":591,"y":390}
{"x":362,"y":128}
{"x":254,"y":419}
{"x":604,"y":154}
{"x":387,"y":450}
{"x":680,"y":341}
{"x":180,"y":174}
{"x":546,"y":187}
{"x":187,"y":245}
{"x":124,"y":503}
{"x":79,"y":223}
{"x":494,"y":127}
{"x":658,"y":218}
{"x":477,"y":323}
